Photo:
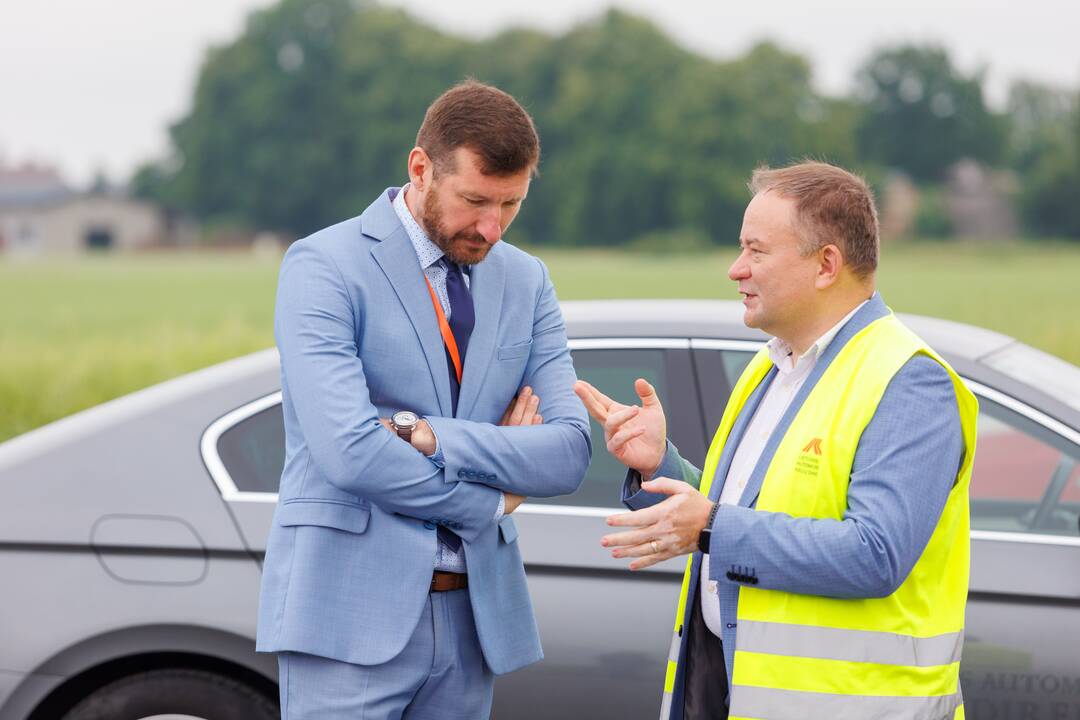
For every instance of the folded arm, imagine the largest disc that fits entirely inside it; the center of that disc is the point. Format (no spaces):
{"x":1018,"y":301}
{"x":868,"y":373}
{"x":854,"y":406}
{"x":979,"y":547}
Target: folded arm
{"x":323,"y":379}
{"x":537,"y":460}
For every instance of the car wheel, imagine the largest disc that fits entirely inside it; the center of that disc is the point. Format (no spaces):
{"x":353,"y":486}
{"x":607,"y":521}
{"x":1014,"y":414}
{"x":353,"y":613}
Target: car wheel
{"x":194,"y":694}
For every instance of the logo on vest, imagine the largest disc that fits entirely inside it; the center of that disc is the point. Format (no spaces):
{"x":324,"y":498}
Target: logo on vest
{"x":809,"y":461}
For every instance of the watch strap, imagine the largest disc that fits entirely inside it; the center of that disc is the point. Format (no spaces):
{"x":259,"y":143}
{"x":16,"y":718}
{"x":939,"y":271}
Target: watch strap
{"x":706,"y":532}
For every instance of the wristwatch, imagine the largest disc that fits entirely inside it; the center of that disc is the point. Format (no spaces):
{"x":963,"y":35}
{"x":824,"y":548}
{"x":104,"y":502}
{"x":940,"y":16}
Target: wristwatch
{"x":404,"y":422}
{"x":706,"y":532}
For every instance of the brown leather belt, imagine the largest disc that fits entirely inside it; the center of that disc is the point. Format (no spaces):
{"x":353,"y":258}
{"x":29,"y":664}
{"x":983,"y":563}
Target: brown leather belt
{"x":446,"y":581}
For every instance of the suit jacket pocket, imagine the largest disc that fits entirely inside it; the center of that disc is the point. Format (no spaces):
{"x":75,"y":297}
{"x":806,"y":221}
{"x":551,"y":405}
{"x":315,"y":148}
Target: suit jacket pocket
{"x":508,"y":529}
{"x":340,"y":516}
{"x":509,"y":352}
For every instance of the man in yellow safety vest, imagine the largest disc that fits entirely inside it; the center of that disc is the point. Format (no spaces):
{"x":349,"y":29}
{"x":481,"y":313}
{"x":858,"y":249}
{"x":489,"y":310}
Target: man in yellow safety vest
{"x":828,"y":529}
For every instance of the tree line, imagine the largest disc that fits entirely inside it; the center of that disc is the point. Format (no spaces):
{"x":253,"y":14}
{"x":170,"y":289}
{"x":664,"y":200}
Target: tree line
{"x":306,"y":116}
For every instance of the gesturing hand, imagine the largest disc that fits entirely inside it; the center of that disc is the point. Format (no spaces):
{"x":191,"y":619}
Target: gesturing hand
{"x":661,"y":531}
{"x":636,"y":434}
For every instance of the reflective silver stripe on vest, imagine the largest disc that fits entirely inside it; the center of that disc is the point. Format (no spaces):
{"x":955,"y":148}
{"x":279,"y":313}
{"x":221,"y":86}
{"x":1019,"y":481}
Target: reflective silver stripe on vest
{"x":853,"y":645}
{"x":665,"y":707}
{"x":772,"y":704}
{"x":673,"y":657}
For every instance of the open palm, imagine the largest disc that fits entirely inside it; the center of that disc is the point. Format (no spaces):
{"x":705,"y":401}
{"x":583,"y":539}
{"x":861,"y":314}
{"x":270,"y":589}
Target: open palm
{"x":635,"y":434}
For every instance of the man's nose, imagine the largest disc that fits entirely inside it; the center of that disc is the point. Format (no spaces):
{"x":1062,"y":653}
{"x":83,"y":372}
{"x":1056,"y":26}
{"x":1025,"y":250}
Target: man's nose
{"x":490,"y":228}
{"x":740,"y":269}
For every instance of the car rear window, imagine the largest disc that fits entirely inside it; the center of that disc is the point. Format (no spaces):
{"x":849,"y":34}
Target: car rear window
{"x":253,"y":451}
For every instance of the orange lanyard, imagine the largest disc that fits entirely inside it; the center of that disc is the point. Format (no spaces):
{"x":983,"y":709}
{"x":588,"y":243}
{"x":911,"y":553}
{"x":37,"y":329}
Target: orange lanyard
{"x":444,"y":328}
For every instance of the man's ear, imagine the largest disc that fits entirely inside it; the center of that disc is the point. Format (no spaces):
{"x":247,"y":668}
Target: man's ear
{"x":420,"y":168}
{"x":830,"y":263}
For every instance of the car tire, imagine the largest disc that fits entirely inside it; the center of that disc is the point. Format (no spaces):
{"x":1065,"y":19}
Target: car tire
{"x":193,"y":693}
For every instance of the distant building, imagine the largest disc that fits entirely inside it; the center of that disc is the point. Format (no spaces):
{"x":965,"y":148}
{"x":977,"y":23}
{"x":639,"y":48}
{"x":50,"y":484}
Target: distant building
{"x":41,"y":214}
{"x":981,"y":202}
{"x":899,"y":204}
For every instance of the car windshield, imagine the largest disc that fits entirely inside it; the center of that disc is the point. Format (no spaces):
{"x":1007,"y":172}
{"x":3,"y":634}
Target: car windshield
{"x":1040,"y":370}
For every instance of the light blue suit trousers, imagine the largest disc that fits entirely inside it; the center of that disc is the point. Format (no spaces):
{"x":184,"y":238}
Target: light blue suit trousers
{"x":428,"y":680}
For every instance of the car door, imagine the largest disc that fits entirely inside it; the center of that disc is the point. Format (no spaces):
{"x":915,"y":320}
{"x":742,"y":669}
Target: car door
{"x":605,"y":630}
{"x":1023,"y":615}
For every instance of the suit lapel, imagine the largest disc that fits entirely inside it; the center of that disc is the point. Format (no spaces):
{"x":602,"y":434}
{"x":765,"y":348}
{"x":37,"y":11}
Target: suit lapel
{"x":397,"y":258}
{"x":486,"y":284}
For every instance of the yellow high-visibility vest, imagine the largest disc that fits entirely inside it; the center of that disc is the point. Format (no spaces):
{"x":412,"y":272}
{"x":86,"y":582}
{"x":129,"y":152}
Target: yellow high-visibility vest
{"x":841,"y":659}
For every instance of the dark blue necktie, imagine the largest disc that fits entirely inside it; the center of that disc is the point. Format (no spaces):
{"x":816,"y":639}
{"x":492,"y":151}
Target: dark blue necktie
{"x":462,"y":319}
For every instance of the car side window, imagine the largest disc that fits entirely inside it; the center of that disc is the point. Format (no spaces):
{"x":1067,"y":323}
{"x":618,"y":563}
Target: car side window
{"x":735,"y":361}
{"x":253,"y":451}
{"x":1026,"y":478}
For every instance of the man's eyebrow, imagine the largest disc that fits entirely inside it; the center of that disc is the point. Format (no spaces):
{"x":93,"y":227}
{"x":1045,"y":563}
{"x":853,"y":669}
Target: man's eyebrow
{"x":747,"y":242}
{"x":487,"y":198}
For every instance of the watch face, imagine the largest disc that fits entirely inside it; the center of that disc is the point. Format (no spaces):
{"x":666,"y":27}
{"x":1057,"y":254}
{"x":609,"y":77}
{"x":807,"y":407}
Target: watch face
{"x":405,"y":418}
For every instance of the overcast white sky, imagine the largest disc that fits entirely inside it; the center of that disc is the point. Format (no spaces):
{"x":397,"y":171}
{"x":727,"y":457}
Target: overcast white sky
{"x":93,"y":85}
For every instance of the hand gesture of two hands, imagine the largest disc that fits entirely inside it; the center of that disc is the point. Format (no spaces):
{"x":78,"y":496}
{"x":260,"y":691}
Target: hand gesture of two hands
{"x":637,"y":436}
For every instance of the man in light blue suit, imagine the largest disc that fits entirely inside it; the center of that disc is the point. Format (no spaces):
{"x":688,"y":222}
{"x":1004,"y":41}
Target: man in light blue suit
{"x":806,"y":271}
{"x":393,"y":585}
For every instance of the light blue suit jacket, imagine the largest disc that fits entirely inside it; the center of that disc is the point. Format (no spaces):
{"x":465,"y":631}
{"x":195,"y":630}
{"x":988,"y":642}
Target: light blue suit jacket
{"x":353,"y":543}
{"x":906,"y":463}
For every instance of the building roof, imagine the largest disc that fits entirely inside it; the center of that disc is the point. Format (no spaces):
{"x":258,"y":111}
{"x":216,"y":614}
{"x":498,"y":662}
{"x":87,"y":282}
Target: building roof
{"x":31,"y":186}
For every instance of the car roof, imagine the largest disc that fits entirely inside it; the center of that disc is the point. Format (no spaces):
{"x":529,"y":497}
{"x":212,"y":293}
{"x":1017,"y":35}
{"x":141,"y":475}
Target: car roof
{"x":722,"y":319}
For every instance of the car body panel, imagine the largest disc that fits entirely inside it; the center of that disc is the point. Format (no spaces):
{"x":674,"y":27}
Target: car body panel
{"x":127,"y":535}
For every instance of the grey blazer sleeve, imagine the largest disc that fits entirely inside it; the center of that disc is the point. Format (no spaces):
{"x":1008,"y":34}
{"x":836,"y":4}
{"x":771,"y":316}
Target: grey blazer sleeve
{"x":673,"y":466}
{"x":905,"y":465}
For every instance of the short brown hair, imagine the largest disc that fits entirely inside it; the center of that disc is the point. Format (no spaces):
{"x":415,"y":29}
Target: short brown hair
{"x":832,"y":206}
{"x":485,"y":120}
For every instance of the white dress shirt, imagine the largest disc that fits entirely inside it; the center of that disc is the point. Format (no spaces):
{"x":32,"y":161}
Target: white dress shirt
{"x":791,"y":374}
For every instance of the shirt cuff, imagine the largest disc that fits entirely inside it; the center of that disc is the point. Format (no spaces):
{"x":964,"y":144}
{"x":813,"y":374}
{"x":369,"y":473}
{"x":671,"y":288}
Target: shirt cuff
{"x":501,"y":510}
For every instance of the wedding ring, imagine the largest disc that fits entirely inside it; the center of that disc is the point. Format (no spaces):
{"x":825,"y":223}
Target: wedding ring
{"x":655,"y":547}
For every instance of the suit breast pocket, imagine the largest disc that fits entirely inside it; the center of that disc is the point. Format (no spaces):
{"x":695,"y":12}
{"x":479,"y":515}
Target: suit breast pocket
{"x":517,"y":350}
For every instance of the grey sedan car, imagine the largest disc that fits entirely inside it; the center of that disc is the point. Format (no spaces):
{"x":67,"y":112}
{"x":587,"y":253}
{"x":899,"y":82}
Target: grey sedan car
{"x":131,"y":536}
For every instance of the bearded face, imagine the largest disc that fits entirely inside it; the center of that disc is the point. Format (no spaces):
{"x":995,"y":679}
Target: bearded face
{"x":463,"y":210}
{"x":465,"y":246}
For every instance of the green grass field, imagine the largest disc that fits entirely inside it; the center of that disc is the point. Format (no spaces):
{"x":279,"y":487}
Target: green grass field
{"x":74,"y":333}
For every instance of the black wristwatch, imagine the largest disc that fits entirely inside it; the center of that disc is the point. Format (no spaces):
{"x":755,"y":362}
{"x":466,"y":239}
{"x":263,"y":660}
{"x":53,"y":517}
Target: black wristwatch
{"x":706,"y":532}
{"x":404,"y":422}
